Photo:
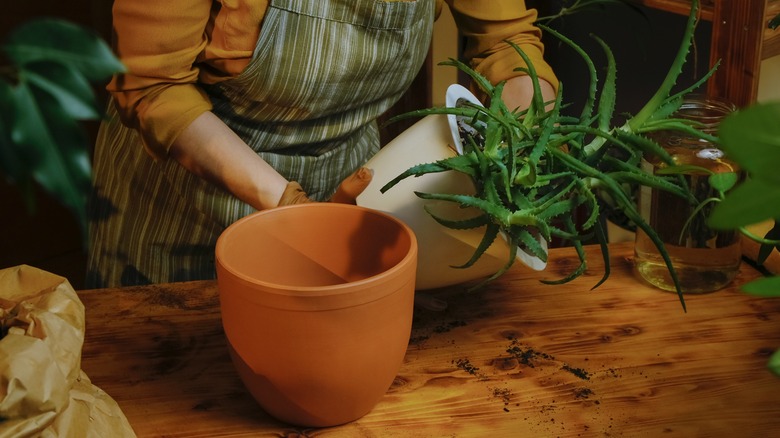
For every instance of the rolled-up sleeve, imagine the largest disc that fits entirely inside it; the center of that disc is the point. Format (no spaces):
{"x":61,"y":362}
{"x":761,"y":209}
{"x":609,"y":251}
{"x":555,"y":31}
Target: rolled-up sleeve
{"x":159,"y":43}
{"x":488,"y":25}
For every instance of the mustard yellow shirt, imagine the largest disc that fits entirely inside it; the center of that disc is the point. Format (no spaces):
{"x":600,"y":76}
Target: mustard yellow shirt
{"x":170,"y":47}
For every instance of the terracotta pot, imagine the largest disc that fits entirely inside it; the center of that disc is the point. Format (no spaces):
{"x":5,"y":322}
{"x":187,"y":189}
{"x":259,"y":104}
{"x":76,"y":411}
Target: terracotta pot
{"x":316,"y":304}
{"x":433,"y":138}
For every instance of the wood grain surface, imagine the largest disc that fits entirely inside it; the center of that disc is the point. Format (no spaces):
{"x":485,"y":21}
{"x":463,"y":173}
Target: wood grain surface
{"x":516,"y":359}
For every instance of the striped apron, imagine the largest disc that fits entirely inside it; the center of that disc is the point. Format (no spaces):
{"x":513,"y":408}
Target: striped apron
{"x":321,"y":73}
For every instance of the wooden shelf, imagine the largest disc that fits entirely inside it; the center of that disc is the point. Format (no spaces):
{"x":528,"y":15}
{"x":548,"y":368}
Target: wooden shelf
{"x":771,"y":38}
{"x":682,"y":7}
{"x":741,"y":39}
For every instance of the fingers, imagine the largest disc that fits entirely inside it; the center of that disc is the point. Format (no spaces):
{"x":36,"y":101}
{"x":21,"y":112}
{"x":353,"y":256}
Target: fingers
{"x":353,"y":186}
{"x":293,"y":194}
{"x":347,"y":192}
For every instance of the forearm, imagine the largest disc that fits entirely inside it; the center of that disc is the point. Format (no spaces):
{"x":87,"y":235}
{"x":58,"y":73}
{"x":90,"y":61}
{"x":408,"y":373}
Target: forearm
{"x":212,"y":151}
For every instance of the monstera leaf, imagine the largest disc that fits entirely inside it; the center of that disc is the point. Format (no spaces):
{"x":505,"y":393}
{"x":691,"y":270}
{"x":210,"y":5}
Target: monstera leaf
{"x":45,"y":92}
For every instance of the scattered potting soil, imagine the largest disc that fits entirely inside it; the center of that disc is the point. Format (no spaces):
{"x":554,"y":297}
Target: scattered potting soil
{"x":526,"y":355}
{"x":467,"y":366}
{"x":579,"y":372}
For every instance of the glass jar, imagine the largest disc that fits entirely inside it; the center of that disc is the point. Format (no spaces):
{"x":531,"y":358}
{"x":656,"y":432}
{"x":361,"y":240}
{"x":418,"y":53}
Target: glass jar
{"x":705,"y":260}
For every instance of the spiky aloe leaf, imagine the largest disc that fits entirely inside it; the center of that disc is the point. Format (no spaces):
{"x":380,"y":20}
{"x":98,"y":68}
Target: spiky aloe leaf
{"x":608,"y":92}
{"x":663,"y":92}
{"x":491,"y":232}
{"x":587,"y":110}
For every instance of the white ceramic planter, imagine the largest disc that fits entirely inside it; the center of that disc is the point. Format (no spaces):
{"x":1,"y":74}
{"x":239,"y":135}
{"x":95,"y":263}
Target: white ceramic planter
{"x":439,"y":248}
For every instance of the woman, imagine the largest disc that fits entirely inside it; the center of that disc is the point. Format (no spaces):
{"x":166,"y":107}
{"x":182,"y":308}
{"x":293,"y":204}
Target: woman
{"x":242,"y":105}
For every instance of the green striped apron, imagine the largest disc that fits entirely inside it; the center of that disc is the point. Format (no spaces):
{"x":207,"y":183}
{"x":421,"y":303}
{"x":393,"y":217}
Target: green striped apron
{"x":322,"y":72}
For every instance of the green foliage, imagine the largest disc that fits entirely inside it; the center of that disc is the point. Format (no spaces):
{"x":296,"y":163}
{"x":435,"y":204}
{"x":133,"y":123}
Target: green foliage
{"x":533,"y":168}
{"x":751,"y":137}
{"x":45,"y":92}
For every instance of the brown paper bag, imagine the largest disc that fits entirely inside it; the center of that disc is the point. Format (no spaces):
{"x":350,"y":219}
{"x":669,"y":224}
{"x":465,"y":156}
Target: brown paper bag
{"x":43,"y":391}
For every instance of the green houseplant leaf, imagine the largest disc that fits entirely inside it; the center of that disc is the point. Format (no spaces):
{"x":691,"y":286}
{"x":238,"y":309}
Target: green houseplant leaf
{"x":67,"y":86}
{"x":768,"y":287}
{"x":751,"y":137}
{"x":749,"y":203}
{"x":51,"y":39}
{"x":44,"y":94}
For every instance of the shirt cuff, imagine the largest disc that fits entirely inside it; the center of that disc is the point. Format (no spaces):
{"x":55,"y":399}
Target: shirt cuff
{"x":500,"y":66}
{"x":163,"y":115}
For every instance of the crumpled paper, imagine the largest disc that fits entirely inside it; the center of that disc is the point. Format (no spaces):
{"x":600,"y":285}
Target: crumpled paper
{"x":43,"y":391}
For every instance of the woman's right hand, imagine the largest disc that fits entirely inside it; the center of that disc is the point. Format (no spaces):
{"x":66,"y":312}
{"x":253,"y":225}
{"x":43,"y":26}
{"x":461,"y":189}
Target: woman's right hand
{"x":347,"y":192}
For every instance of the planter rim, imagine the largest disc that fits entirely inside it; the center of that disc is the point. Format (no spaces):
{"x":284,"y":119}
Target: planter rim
{"x":327,"y":290}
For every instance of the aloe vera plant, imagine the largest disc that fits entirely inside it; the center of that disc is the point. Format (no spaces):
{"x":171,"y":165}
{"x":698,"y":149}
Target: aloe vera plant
{"x":533,"y":168}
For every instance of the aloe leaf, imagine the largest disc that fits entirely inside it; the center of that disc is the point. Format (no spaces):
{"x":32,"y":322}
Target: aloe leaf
{"x":645,"y":145}
{"x":606,"y":105}
{"x":494,"y":133}
{"x":671,"y":77}
{"x":499,"y":213}
{"x":51,"y":39}
{"x":460,"y":163}
{"x":460,"y":224}
{"x":648,"y":180}
{"x":557,"y":209}
{"x":629,"y":210}
{"x":530,"y":243}
{"x":526,"y":176}
{"x":479,"y":79}
{"x":603,"y":240}
{"x":696,"y":211}
{"x":547,"y":129}
{"x":681,"y":94}
{"x":580,"y":253}
{"x":537,"y":103}
{"x":510,"y":261}
{"x":668,"y":107}
{"x":463,"y":111}
{"x":587,"y":110}
{"x":766,"y":249}
{"x":591,"y":200}
{"x":684,"y":127}
{"x":491,"y":232}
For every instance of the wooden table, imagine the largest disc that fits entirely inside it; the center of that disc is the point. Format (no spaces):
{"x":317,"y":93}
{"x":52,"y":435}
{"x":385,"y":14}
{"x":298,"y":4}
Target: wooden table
{"x":518,"y":359}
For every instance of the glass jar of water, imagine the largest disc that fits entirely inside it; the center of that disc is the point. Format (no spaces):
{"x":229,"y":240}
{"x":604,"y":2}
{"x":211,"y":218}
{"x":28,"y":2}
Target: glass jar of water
{"x":704,"y":259}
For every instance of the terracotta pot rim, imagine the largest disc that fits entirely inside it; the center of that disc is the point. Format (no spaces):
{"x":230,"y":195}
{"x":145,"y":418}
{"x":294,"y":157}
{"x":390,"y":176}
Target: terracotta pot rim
{"x":327,"y":290}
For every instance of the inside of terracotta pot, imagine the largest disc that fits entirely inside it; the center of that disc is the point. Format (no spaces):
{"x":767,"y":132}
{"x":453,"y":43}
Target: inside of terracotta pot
{"x":315,"y":246}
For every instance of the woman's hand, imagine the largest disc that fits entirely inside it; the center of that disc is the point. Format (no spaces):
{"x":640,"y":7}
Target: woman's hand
{"x":347,"y":192}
